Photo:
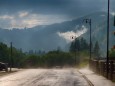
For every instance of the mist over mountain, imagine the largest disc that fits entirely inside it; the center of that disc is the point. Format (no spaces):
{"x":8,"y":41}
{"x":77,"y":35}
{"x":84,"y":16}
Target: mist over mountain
{"x":50,"y":37}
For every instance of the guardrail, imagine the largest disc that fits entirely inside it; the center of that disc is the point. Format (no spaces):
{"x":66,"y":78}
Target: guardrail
{"x":100,"y":67}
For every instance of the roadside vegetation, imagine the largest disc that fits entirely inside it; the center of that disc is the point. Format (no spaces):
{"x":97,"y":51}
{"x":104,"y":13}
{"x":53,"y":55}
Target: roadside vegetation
{"x":112,"y":54}
{"x":78,"y":55}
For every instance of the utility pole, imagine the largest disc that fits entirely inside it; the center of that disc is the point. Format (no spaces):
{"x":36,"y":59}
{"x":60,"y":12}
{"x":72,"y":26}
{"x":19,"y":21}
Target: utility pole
{"x":11,"y":57}
{"x":74,"y":37}
{"x":108,"y":22}
{"x":114,"y":45}
{"x":114,"y":31}
{"x":89,"y":21}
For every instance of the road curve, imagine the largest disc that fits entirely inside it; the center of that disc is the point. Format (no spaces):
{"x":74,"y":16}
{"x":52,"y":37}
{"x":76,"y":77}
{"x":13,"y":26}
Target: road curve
{"x":44,"y":77}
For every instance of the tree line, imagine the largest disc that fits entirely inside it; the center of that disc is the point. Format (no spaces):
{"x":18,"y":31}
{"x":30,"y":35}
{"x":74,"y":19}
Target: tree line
{"x":79,"y":46}
{"x":49,"y":59}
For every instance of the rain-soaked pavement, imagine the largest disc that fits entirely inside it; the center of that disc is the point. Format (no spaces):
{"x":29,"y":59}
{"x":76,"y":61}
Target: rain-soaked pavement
{"x":44,"y":77}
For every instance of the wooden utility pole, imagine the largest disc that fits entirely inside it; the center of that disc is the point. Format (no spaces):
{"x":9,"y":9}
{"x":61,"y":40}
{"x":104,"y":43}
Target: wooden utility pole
{"x":11,"y":57}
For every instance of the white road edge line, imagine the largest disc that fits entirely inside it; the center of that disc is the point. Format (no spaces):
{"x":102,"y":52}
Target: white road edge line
{"x":88,"y":81}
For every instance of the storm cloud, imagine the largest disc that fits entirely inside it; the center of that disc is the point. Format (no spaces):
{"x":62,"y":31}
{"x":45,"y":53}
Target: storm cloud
{"x":61,"y":10}
{"x":68,"y":7}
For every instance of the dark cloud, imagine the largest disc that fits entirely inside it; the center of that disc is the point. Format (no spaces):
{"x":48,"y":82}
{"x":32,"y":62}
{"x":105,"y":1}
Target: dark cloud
{"x":39,"y":6}
{"x":66,"y":7}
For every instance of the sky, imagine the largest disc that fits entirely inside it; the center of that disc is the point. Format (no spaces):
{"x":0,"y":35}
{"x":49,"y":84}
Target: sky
{"x":30,"y":13}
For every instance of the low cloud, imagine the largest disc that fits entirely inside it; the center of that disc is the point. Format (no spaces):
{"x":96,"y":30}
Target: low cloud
{"x":25,"y":19}
{"x":69,"y":34}
{"x":4,"y":17}
{"x":23,"y":14}
{"x":112,"y":13}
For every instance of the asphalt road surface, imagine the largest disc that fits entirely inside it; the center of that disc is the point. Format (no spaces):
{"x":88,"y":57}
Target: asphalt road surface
{"x":44,"y":77}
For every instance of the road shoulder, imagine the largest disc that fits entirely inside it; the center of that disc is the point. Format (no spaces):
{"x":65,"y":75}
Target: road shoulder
{"x":95,"y":79}
{"x":14,"y":70}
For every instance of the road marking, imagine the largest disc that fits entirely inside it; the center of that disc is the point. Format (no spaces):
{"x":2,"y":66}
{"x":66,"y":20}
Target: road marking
{"x":88,"y":81}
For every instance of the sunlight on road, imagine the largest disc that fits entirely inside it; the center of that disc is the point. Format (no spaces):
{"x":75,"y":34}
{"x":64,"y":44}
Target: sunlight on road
{"x":44,"y":77}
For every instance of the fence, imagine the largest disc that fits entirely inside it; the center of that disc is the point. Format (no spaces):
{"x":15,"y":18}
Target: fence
{"x":100,"y":67}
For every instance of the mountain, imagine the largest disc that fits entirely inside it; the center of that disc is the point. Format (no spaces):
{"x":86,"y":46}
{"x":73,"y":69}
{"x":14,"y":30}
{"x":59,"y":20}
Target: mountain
{"x":50,"y":37}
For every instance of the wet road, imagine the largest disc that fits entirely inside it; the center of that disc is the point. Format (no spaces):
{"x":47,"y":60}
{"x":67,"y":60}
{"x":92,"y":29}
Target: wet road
{"x":44,"y":77}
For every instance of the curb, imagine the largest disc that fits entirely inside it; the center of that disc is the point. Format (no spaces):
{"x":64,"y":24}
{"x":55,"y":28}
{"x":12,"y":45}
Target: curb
{"x":88,"y":81}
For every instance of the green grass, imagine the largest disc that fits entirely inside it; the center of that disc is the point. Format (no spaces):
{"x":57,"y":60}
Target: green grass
{"x":84,"y":63}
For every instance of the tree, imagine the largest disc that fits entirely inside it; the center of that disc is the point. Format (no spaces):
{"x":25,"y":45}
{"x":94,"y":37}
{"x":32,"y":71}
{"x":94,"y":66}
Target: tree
{"x":112,"y":54}
{"x":59,"y":49}
{"x":92,"y":47}
{"x":75,"y":45}
{"x":4,"y":53}
{"x":96,"y":49}
{"x":83,"y":44}
{"x":79,"y":45}
{"x":72,"y":47}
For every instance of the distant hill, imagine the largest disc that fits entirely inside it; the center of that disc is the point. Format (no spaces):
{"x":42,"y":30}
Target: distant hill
{"x":46,"y":37}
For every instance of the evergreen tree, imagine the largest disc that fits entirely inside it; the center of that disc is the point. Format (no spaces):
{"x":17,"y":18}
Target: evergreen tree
{"x":75,"y":45}
{"x":96,"y":49}
{"x":83,"y":45}
{"x":112,"y":54}
{"x":4,"y":53}
{"x":79,"y":45}
{"x":59,"y":49}
{"x":72,"y":47}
